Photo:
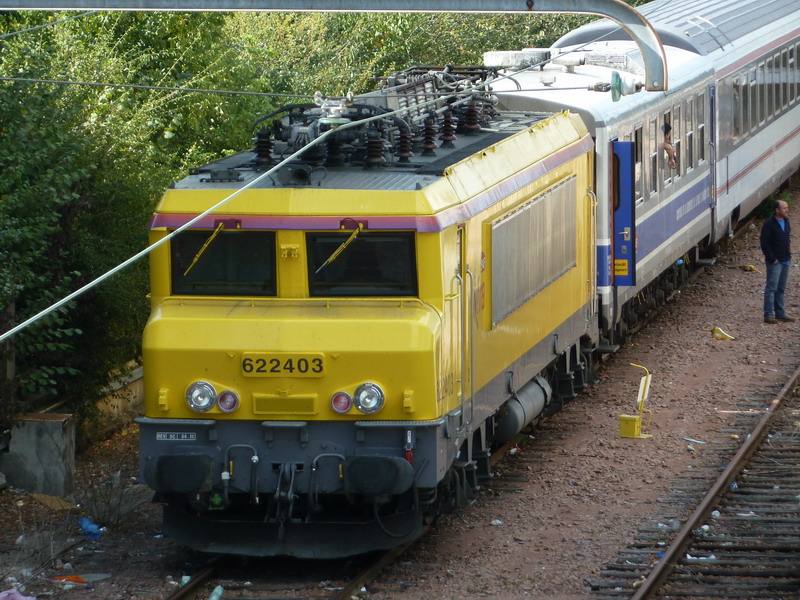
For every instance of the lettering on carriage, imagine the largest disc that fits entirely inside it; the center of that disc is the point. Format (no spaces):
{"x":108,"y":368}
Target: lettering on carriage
{"x":688,"y":206}
{"x":173,"y":436}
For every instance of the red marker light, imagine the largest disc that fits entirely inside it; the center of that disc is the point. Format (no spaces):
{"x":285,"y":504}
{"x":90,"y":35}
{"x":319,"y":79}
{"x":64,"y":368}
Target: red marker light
{"x":228,"y":401}
{"x":341,"y":402}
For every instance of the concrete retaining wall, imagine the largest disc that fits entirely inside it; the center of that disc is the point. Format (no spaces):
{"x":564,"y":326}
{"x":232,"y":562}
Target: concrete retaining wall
{"x":41,"y":456}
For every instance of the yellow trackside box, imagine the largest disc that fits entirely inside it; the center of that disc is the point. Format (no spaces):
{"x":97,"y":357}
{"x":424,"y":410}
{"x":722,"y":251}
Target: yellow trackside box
{"x":630,"y":426}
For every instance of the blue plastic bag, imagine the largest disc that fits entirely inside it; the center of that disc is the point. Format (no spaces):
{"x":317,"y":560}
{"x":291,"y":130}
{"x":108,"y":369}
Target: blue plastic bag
{"x":89,"y":529}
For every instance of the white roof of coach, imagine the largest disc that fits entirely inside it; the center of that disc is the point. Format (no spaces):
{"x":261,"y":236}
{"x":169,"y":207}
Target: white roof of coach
{"x":721,"y":29}
{"x":556,"y":88}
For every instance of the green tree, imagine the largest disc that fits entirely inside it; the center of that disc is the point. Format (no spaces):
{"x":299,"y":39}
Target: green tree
{"x":82,"y":169}
{"x":34,"y":259}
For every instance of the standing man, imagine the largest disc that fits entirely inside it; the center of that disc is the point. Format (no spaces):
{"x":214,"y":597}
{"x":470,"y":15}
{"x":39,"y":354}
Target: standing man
{"x":777,"y":254}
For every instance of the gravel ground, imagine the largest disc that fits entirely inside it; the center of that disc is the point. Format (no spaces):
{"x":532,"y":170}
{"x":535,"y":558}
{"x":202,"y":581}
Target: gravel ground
{"x":578,"y":490}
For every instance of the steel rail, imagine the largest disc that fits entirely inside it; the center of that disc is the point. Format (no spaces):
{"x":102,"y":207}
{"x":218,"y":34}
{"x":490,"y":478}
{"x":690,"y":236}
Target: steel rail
{"x":187,"y":590}
{"x":373,"y":571}
{"x":667,"y":563}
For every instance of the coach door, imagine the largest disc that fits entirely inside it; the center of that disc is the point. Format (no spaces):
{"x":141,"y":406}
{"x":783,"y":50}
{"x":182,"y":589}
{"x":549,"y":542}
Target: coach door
{"x":624,"y":202}
{"x":722,"y":167}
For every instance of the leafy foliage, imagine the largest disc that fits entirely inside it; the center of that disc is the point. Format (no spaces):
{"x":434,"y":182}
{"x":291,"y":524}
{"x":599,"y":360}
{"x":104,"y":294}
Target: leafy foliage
{"x":83,"y":167}
{"x":34,"y":259}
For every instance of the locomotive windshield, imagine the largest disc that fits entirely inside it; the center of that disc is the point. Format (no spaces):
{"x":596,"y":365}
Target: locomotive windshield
{"x":226,"y":263}
{"x":373,"y":264}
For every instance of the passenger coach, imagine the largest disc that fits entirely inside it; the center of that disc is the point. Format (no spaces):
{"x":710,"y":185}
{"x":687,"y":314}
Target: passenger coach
{"x":731,"y":104}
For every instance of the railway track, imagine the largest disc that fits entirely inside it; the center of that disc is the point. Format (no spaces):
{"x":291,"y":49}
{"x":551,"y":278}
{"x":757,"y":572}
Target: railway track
{"x":255,"y":580}
{"x":742,"y":539}
{"x":273,"y":579}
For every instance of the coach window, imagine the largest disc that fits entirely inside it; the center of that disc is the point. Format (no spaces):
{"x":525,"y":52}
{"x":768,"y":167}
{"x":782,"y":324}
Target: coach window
{"x":638,"y":152}
{"x":667,"y":146}
{"x":761,"y":92}
{"x":677,"y":140}
{"x":754,"y":99}
{"x":701,"y":128}
{"x":788,"y":77}
{"x":794,"y":75}
{"x":797,"y":72}
{"x":769,"y":96}
{"x":653,"y":143}
{"x":736,"y":126}
{"x":777,"y":102}
{"x":786,"y":74}
{"x":689,"y":114}
{"x":745,"y":104}
{"x":777,"y":92}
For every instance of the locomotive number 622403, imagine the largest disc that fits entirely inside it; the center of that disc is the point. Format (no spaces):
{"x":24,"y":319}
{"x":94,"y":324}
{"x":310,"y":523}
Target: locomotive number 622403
{"x":281,"y":364}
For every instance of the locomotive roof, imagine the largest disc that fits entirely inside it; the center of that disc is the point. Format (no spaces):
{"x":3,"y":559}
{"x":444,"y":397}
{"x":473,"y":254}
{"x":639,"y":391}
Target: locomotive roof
{"x":239,"y":169}
{"x":700,"y":26}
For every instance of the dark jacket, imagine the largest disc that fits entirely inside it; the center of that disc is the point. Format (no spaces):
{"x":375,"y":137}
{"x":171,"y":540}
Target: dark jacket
{"x":775,"y":241}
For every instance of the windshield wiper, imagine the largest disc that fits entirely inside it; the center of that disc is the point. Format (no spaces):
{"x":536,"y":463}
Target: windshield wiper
{"x":341,"y":248}
{"x":210,"y":239}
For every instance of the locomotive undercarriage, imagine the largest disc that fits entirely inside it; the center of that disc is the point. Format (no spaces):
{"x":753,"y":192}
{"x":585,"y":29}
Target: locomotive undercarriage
{"x":220,"y":495}
{"x":271,"y":528}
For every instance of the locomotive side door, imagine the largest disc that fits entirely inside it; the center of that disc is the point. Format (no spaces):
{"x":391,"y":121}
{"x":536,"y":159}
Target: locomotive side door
{"x":623,"y":198}
{"x":466,"y":332}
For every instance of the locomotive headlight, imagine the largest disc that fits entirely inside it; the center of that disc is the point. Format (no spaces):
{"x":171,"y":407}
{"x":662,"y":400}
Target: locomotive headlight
{"x":201,"y":396}
{"x":368,"y":398}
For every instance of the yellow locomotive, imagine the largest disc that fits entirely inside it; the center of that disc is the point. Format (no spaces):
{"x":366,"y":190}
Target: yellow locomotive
{"x":332,"y":353}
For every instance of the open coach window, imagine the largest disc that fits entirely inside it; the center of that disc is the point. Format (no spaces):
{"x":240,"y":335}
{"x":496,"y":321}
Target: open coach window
{"x":371,"y":264}
{"x":225,"y":263}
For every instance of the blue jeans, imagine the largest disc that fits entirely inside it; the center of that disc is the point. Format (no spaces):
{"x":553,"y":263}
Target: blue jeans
{"x":777,"y":274}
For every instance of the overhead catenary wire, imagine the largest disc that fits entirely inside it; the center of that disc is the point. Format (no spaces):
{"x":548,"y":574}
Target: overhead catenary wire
{"x":43,"y":25}
{"x":254,"y":93}
{"x":249,"y":92}
{"x":158,"y":88}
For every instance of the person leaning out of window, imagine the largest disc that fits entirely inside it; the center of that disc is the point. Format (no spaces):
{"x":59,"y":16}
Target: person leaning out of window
{"x":669,"y":147}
